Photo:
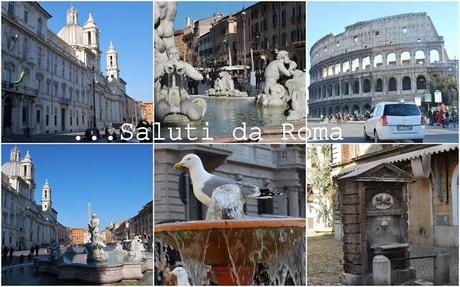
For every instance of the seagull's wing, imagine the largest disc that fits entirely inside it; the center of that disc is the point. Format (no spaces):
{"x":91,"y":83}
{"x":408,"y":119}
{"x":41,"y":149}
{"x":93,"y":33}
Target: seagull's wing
{"x":214,"y":182}
{"x":248,"y":190}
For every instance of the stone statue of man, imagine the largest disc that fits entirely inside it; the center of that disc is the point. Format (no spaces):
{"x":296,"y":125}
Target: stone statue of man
{"x":277,"y":68}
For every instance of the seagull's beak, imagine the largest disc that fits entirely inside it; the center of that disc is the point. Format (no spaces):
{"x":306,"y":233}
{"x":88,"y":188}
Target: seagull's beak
{"x":178,"y":165}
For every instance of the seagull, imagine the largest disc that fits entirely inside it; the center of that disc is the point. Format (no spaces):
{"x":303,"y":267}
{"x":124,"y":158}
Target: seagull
{"x":182,"y":277}
{"x":205,"y":183}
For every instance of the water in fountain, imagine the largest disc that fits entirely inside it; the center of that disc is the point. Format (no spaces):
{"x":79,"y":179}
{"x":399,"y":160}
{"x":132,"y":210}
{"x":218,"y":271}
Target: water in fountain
{"x":281,"y":251}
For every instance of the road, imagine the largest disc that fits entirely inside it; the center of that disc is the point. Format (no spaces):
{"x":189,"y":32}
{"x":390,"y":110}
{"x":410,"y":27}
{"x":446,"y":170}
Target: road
{"x":352,"y":132}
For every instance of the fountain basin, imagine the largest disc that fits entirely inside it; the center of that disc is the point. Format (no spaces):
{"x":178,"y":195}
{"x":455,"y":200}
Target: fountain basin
{"x":95,"y":273}
{"x":233,"y":248}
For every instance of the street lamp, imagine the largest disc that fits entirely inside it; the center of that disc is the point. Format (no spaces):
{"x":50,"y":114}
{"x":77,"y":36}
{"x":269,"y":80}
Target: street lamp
{"x":244,"y":40}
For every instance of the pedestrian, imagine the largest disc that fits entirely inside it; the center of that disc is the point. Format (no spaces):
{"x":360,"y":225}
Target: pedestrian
{"x":4,"y":253}
{"x":37,"y":249}
{"x":32,"y":250}
{"x":11,"y":252}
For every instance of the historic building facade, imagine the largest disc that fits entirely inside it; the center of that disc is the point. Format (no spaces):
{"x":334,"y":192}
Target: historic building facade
{"x":385,"y":59}
{"x":24,"y":222}
{"x":268,"y":27}
{"x":53,"y":83}
{"x":78,"y":235}
{"x":280,"y":166}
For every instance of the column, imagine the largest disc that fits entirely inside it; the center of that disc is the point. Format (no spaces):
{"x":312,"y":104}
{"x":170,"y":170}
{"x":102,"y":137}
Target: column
{"x":293,"y":198}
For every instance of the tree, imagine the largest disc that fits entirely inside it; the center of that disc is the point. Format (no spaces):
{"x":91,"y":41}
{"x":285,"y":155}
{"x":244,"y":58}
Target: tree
{"x":320,"y":180}
{"x":447,"y":85}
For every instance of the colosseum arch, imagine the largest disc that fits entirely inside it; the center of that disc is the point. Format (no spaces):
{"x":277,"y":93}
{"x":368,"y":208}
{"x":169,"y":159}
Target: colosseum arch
{"x":379,"y":86}
{"x":337,"y":68}
{"x":345,"y":88}
{"x":366,"y":62}
{"x":337,"y":109}
{"x":323,"y":92}
{"x":345,"y":109}
{"x":346,"y":67}
{"x":329,"y":91}
{"x":336,"y":89}
{"x":406,"y":84}
{"x":356,"y":87}
{"x":355,"y":64}
{"x":329,"y":111}
{"x":391,"y":59}
{"x":419,"y":57}
{"x":366,"y":86}
{"x":324,"y":72}
{"x":378,"y":61}
{"x":392,"y":85}
{"x":330,"y":70}
{"x":405,"y":58}
{"x":434,"y":56}
{"x":421,"y":82}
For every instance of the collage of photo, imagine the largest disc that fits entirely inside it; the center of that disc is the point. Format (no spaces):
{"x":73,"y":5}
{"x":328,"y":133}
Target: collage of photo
{"x":229,"y":143}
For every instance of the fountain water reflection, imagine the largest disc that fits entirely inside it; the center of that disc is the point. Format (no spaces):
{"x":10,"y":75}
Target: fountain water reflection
{"x":224,"y":115}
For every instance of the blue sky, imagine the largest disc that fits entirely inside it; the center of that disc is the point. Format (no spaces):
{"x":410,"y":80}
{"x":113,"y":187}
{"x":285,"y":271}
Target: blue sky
{"x":332,"y":17}
{"x":129,"y":26}
{"x":199,"y":10}
{"x":117,"y":179}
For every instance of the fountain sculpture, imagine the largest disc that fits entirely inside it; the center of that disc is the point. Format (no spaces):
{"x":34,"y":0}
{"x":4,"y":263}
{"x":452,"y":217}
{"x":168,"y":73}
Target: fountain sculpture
{"x":95,"y":247}
{"x":224,"y":87}
{"x":173,"y":104}
{"x":98,"y":265}
{"x":292,"y":95}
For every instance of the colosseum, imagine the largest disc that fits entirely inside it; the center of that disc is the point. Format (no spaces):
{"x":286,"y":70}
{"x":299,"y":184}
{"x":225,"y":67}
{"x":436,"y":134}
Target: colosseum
{"x":385,"y":59}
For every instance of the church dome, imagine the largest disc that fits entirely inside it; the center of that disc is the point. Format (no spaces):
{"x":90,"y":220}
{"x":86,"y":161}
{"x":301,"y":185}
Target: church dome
{"x":71,"y":33}
{"x":11,"y":168}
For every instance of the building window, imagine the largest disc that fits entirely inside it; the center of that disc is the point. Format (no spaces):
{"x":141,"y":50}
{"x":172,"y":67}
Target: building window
{"x":421,"y":82}
{"x":406,"y":84}
{"x":39,"y":26}
{"x":38,"y":116}
{"x":11,"y":9}
{"x":26,"y":16}
{"x":379,"y":86}
{"x":392,"y":85}
{"x":405,"y":58}
{"x":355,"y":39}
{"x":377,"y":34}
{"x":366,"y":86}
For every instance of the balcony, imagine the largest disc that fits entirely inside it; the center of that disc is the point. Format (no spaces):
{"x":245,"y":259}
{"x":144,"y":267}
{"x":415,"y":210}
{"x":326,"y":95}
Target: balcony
{"x":19,"y":89}
{"x":65,"y":101}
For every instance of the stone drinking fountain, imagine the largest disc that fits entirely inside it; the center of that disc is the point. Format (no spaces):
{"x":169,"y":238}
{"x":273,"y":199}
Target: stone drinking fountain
{"x":374,"y":215}
{"x":97,"y":264}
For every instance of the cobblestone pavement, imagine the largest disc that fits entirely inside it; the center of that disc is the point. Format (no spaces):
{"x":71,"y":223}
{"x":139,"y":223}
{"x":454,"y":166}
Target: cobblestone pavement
{"x":324,"y":260}
{"x":424,"y":267}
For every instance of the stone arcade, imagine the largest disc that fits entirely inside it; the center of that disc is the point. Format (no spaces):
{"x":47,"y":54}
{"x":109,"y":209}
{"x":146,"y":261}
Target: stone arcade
{"x":385,"y":59}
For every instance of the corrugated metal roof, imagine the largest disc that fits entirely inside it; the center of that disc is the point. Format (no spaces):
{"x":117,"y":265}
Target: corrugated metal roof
{"x":401,"y":157}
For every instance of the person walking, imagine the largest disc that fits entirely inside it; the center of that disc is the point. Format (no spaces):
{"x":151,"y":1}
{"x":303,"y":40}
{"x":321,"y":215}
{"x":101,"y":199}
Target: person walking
{"x":11,"y":252}
{"x":4,"y":253}
{"x":37,"y":249}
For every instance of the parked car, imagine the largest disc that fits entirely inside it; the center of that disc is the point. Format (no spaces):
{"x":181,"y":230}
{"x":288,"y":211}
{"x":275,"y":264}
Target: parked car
{"x":395,"y":121}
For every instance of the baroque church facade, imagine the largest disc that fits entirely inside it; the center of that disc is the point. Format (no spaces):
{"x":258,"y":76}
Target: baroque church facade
{"x":24,"y":222}
{"x":53,"y":83}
